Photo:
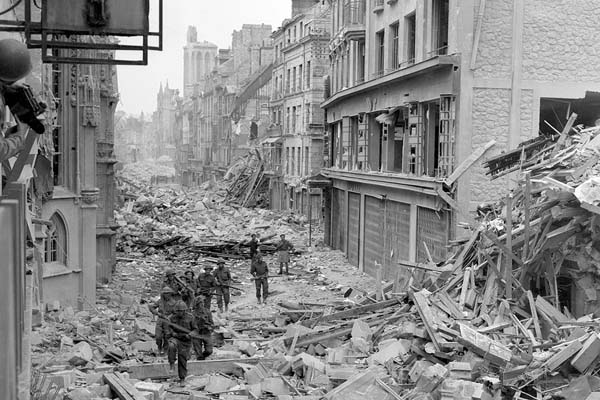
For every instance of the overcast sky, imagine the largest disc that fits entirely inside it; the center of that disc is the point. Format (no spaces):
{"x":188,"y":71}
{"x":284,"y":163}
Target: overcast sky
{"x":214,"y":19}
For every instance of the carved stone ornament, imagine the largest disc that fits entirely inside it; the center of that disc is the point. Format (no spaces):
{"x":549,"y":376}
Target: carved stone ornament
{"x":90,"y":196}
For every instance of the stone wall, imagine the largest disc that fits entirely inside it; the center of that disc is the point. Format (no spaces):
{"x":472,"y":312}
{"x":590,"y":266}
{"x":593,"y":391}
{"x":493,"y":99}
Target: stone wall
{"x":560,"y":40}
{"x":495,"y":44}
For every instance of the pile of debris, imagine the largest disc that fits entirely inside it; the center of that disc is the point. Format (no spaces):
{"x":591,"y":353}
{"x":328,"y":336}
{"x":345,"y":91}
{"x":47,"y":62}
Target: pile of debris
{"x":187,"y":225}
{"x":248,"y":185}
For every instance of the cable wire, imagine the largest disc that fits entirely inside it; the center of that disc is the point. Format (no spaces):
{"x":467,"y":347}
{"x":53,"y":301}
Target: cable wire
{"x":9,"y":9}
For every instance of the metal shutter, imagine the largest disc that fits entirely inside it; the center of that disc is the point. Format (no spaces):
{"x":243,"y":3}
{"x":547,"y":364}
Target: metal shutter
{"x":396,"y":236}
{"x":432,"y":229}
{"x":353,"y":228}
{"x":373,"y":234}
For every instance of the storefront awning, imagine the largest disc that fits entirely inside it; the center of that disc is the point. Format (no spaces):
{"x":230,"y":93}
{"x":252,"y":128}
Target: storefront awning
{"x":388,"y":118}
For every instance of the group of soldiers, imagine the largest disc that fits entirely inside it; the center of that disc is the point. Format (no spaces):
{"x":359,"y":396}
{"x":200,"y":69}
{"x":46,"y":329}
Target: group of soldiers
{"x":184,"y":308}
{"x":184,"y":315}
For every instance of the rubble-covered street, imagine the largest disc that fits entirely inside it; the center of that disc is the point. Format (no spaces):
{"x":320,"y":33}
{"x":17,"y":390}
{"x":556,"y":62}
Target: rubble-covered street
{"x":454,"y":331}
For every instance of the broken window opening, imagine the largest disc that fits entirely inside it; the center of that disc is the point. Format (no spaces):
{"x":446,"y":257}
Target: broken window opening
{"x":554,"y":112}
{"x":410,"y":22}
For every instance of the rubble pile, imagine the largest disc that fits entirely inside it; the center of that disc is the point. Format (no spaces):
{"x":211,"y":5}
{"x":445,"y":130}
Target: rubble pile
{"x":248,"y":185}
{"x":144,"y":171}
{"x":511,"y":314}
{"x":187,"y":225}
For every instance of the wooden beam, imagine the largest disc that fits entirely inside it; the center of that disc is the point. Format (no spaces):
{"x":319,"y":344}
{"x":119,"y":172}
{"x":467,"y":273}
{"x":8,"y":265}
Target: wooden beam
{"x":534,"y":315}
{"x":161,"y":370}
{"x":353,"y":312}
{"x":564,"y":134}
{"x":465,"y":165}
{"x":502,"y":247}
{"x":427,"y":318}
{"x":508,"y":278}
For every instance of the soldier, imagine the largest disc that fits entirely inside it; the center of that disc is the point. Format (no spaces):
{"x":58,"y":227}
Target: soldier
{"x":179,"y":333}
{"x":190,"y":278}
{"x":203,"y":345}
{"x":260,"y":272}
{"x":253,"y":245}
{"x":163,"y":308}
{"x":283,"y":248}
{"x":223,"y":280}
{"x":171,"y":282}
{"x":207,"y":285}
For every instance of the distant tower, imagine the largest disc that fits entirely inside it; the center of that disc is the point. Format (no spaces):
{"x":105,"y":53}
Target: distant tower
{"x":199,"y":58}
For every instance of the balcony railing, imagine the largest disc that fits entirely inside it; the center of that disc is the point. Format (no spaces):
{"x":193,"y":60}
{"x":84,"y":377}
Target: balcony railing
{"x":440,"y":51}
{"x":354,"y":12}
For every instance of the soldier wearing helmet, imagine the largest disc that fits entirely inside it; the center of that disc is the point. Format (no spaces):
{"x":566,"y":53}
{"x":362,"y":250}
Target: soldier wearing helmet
{"x":164,"y":307}
{"x":171,"y":281}
{"x":203,"y":344}
{"x":207,"y":285}
{"x":15,"y":64}
{"x":223,"y":281}
{"x":180,"y":330}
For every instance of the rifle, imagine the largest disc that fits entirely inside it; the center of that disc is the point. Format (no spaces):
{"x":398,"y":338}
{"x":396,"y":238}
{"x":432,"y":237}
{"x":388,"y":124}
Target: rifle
{"x":192,"y":334}
{"x":184,"y":284}
{"x":270,"y":276}
{"x":232,"y":287}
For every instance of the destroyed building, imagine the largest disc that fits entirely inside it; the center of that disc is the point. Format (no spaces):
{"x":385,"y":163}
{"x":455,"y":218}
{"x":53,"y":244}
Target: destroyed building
{"x":419,"y":91}
{"x":217,"y":129}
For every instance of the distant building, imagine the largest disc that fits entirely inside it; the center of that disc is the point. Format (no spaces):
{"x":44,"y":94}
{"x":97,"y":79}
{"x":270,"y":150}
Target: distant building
{"x":215,"y":126}
{"x":199,"y":59}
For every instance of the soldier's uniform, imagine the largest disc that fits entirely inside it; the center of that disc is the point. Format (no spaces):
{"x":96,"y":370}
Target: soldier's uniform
{"x":223,"y":280}
{"x":164,"y":307}
{"x":180,"y":341}
{"x":260,"y":271}
{"x":203,"y":344}
{"x":206,"y":286}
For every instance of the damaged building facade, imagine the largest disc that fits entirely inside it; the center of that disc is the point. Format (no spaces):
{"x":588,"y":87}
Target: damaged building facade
{"x":216,"y":134}
{"x":419,"y":90}
{"x":294,"y":149}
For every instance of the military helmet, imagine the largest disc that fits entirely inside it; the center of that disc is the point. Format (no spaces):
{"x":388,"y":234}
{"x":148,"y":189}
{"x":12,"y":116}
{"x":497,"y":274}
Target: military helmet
{"x":220,"y":262}
{"x":181,"y":306}
{"x":170,"y":272}
{"x":167,"y":290}
{"x":15,"y":61}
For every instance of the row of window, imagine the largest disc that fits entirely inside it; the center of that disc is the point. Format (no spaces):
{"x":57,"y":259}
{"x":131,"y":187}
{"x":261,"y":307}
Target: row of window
{"x":294,"y":158}
{"x":297,"y":80}
{"x":418,"y":140}
{"x":295,"y":119}
{"x":394,"y":48}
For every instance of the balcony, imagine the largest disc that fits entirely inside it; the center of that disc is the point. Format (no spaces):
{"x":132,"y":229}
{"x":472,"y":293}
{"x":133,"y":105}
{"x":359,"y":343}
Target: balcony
{"x":378,"y":6}
{"x":353,"y":22}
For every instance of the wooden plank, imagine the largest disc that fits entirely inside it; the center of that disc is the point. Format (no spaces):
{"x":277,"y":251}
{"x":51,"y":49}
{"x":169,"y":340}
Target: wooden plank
{"x":508,"y":277}
{"x":494,"y":239}
{"x":353,"y":312}
{"x":468,"y":162}
{"x":491,"y":350}
{"x":552,"y":312}
{"x":534,"y":315}
{"x":564,"y":135}
{"x":122,"y":388}
{"x":427,"y":318}
{"x":588,"y":353}
{"x":562,"y":356}
{"x":161,"y":370}
{"x":527,"y":218}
